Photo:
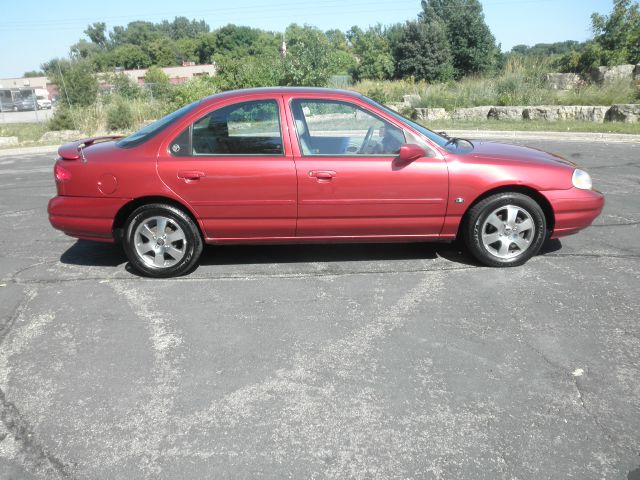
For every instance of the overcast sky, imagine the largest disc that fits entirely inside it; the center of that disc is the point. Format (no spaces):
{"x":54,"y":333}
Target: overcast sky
{"x":36,"y":31}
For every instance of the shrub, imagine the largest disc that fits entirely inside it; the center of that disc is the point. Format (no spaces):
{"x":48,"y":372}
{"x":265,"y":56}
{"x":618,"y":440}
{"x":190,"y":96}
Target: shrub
{"x":62,"y":119}
{"x":119,"y":116}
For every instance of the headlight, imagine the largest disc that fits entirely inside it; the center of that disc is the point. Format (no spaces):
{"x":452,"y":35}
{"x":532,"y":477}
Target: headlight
{"x":581,"y":179}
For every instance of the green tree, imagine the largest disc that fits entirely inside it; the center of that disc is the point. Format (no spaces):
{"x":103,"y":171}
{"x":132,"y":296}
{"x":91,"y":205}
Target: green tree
{"x":125,"y":86}
{"x":33,"y":73}
{"x":423,"y":52}
{"x":157,"y":82}
{"x":76,"y":80}
{"x":308,"y":58}
{"x":97,"y":34}
{"x":248,"y":72}
{"x":161,"y":52}
{"x":373,"y":53}
{"x":618,"y":34}
{"x":186,"y":50}
{"x":128,"y":57}
{"x":472,"y":45}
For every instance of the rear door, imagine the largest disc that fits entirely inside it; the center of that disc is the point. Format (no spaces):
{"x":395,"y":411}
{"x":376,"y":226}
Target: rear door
{"x":236,"y":170}
{"x":349,"y":183}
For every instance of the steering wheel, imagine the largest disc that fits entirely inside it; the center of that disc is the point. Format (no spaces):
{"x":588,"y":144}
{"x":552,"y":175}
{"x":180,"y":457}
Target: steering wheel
{"x":367,"y":139}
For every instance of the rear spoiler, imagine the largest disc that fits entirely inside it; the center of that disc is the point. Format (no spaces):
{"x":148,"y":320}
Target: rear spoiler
{"x":73,"y":150}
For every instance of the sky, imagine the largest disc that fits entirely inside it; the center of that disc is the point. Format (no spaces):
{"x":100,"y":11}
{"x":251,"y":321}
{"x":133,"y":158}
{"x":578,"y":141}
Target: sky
{"x":34,"y":32}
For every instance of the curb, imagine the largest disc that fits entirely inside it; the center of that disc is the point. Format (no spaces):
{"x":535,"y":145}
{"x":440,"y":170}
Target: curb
{"x":27,"y":150}
{"x":559,"y":136}
{"x":471,"y":134}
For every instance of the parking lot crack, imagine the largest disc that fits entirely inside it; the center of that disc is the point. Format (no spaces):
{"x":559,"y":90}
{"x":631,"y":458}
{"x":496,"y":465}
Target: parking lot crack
{"x":38,"y":457}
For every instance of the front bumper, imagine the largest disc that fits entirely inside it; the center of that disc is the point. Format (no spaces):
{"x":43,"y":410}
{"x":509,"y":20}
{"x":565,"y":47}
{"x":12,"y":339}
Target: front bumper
{"x":573,"y":209}
{"x":88,"y":218}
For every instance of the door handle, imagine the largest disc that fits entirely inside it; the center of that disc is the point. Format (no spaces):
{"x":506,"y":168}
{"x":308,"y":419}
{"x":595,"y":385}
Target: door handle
{"x":322,"y":175}
{"x":190,"y":175}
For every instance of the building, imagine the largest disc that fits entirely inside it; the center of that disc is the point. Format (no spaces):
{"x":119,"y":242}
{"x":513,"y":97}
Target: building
{"x":177,"y":75}
{"x":31,"y":82}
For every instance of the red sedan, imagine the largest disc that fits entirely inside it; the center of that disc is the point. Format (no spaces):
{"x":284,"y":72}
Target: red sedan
{"x":296,"y":165}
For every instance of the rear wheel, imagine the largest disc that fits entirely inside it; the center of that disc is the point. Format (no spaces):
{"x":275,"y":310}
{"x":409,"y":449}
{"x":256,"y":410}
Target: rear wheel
{"x":162,"y":241}
{"x":505,"y":230}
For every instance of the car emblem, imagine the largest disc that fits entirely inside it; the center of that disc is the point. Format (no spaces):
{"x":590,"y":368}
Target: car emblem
{"x":175,"y":148}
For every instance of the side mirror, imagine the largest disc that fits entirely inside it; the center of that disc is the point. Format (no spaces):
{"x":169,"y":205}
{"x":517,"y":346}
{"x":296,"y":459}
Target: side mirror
{"x":410,"y":152}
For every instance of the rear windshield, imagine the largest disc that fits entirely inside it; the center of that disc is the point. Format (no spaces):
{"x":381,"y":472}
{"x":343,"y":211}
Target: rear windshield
{"x":151,"y":130}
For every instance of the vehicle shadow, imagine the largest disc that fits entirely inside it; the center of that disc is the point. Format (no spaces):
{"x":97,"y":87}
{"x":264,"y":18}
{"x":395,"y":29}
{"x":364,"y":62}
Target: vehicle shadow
{"x":97,"y":254}
{"x":94,"y":254}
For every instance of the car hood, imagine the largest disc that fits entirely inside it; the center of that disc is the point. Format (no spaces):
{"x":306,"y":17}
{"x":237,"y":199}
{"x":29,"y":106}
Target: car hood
{"x":516,"y":153}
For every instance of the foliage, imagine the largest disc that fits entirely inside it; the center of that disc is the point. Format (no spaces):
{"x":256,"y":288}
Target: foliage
{"x":76,"y":80}
{"x":119,"y":116}
{"x":616,"y":40}
{"x":471,"y":43}
{"x":422,"y":52}
{"x":618,"y":34}
{"x":33,"y":73}
{"x":158,"y":83}
{"x":248,"y":72}
{"x":308,"y":57}
{"x":62,"y":119}
{"x":520,"y":83}
{"x":547,"y":49}
{"x":191,"y":91}
{"x":124,"y":86}
{"x":129,"y":57}
{"x":373,"y":53}
{"x":97,"y":33}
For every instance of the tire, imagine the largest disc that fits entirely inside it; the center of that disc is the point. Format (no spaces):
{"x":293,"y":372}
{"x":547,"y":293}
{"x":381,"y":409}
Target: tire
{"x":505,"y":230}
{"x":161,"y":241}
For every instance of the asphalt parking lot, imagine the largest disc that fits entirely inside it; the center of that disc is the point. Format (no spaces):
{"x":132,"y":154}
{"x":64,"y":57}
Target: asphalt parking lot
{"x":26,"y":116}
{"x":352,"y":361}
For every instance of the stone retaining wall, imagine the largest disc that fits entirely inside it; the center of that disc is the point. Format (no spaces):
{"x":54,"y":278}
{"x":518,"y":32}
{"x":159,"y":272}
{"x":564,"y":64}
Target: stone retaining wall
{"x":550,"y":113}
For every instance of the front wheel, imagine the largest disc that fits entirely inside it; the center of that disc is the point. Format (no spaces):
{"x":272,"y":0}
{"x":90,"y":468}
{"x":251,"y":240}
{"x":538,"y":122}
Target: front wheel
{"x":505,"y":230}
{"x":162,"y":241}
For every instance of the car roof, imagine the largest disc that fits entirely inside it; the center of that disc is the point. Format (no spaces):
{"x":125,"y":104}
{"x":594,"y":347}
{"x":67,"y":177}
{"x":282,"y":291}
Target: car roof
{"x":281,"y":91}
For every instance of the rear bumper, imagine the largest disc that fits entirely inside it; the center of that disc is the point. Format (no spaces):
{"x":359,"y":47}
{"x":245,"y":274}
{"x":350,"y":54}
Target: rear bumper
{"x":89,"y":218}
{"x":574,"y":209}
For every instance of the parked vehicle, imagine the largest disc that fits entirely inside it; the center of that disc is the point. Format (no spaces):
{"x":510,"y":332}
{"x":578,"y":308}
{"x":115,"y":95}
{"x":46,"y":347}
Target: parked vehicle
{"x":7,"y":102}
{"x":42,"y":98}
{"x":25,"y":100}
{"x":296,"y":165}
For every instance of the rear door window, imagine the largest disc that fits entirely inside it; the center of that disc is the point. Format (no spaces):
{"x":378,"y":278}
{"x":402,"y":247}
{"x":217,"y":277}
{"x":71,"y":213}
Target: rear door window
{"x":247,"y":128}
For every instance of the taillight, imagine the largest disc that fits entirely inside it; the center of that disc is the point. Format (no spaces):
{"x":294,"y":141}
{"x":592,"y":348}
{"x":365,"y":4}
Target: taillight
{"x":61,"y":173}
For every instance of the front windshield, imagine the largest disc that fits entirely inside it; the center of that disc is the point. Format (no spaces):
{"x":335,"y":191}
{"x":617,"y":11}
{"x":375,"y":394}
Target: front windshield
{"x":145,"y":133}
{"x":431,"y":135}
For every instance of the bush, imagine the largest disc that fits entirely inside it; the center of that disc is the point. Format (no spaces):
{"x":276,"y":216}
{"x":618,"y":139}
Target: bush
{"x":62,"y":119}
{"x":378,"y":94}
{"x":119,"y":116}
{"x":191,"y":91}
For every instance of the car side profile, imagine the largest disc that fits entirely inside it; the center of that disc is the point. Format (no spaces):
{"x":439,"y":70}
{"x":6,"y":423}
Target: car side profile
{"x":310,"y":165}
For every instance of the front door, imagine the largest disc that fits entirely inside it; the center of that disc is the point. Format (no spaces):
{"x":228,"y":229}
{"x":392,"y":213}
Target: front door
{"x":349,"y":182}
{"x":232,"y":167}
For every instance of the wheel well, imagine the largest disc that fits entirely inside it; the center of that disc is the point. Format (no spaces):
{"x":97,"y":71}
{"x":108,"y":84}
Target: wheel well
{"x":127,"y":209}
{"x":531,"y":192}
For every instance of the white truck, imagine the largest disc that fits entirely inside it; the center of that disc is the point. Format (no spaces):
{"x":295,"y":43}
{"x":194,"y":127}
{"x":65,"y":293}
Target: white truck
{"x":42,"y":98}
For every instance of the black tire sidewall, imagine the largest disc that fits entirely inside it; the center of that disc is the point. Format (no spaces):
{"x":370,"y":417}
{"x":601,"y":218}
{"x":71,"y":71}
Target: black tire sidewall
{"x":479,"y":213}
{"x":192,"y":235}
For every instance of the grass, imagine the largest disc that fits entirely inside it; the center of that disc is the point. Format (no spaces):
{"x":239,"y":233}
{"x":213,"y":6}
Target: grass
{"x":536,"y":126}
{"x":26,"y":132}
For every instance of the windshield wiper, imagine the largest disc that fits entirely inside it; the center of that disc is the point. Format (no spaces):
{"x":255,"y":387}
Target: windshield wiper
{"x":456,"y":140}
